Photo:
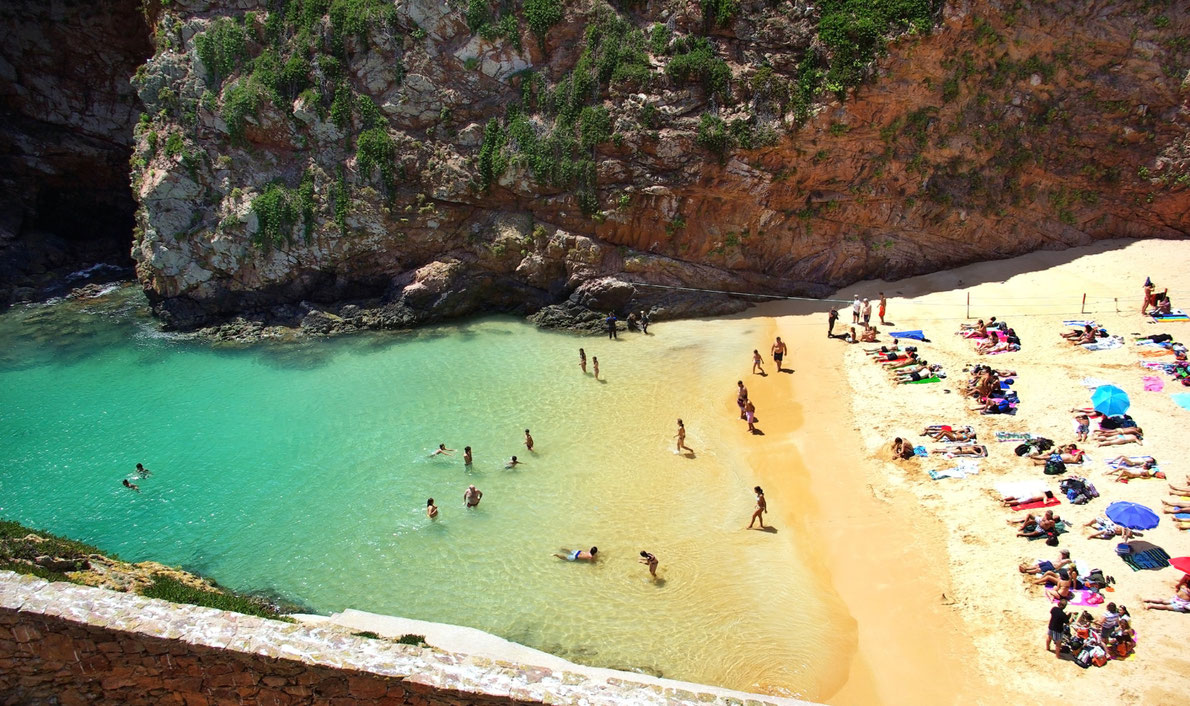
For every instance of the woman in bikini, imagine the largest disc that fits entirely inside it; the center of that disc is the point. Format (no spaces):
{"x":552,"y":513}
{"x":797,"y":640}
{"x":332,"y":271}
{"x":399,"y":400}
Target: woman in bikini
{"x":431,"y":509}
{"x":1178,"y":602}
{"x":582,"y":359}
{"x":761,"y":508}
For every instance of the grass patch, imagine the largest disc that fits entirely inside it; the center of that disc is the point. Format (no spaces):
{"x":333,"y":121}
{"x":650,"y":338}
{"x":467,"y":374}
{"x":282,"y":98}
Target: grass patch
{"x":170,"y":589}
{"x":415,"y":640}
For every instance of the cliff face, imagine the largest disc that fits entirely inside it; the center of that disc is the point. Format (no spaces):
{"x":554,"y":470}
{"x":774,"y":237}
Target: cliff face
{"x":434,"y":159}
{"x":66,"y":116}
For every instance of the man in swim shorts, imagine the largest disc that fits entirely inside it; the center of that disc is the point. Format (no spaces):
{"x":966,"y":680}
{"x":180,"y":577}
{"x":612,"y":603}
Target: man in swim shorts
{"x":778,"y":352}
{"x":578,"y":554}
{"x":472,"y":496}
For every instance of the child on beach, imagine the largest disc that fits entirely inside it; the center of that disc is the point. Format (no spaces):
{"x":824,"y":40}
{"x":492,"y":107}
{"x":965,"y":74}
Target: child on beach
{"x":1082,"y":427}
{"x":528,"y":440}
{"x":750,"y":415}
{"x":681,"y":436}
{"x":756,"y":362}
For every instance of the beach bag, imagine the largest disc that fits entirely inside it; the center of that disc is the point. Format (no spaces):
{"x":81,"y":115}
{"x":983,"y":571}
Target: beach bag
{"x":1022,"y":450}
{"x":1089,"y":489}
{"x":1054,"y":467}
{"x":1043,"y":444}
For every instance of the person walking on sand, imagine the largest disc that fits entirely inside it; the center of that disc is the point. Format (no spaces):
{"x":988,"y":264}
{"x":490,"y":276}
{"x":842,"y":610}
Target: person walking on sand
{"x":757,"y":362}
{"x":528,"y":440}
{"x":830,"y":323}
{"x":472,"y":496}
{"x":750,"y":415}
{"x":466,"y":455}
{"x":681,"y":435}
{"x":741,"y":397}
{"x":880,"y":310}
{"x":611,"y":326}
{"x":131,"y":486}
{"x":761,"y":508}
{"x":595,"y":362}
{"x":855,"y":307}
{"x":442,"y":451}
{"x":582,"y":360}
{"x":867,"y":311}
{"x":650,"y":561}
{"x":779,"y":349}
{"x":1057,"y":627}
{"x":431,"y":509}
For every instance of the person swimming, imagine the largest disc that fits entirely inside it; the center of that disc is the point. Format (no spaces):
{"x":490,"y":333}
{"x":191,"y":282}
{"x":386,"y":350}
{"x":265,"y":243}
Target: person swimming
{"x":578,"y":554}
{"x":130,"y":486}
{"x":513,"y":462}
{"x":142,"y":472}
{"x":443,"y":451}
{"x":431,"y":509}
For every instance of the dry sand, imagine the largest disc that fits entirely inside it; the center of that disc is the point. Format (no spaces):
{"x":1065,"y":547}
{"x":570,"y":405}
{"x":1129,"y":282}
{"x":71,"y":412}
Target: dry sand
{"x":928,"y":569}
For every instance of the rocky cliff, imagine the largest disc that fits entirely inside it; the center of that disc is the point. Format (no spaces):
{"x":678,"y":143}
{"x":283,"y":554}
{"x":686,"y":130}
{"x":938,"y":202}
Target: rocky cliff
{"x":349,"y":163}
{"x":66,"y":116}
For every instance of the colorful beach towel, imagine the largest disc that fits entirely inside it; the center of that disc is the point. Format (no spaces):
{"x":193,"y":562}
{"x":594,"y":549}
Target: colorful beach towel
{"x":1083,"y":597}
{"x":915,"y":335}
{"x":1018,"y":436}
{"x":1111,"y":462}
{"x":1182,"y":399}
{"x":1078,"y":323}
{"x":1104,"y":344}
{"x":1173,"y":315}
{"x":921,"y":451}
{"x":1153,"y":384}
{"x":1092,"y":383}
{"x":964,"y":468}
{"x":926,"y":380}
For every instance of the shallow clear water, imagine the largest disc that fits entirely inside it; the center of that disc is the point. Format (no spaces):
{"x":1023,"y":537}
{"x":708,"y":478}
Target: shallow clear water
{"x":302,"y":469}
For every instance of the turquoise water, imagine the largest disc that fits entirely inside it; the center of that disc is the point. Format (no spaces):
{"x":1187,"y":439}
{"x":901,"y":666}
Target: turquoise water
{"x":302,"y":469}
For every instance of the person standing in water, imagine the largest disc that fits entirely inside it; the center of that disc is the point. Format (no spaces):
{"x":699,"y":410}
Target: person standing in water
{"x":442,"y":450}
{"x":472,"y":496}
{"x":880,"y":311}
{"x":595,"y":362}
{"x":512,"y":463}
{"x":756,"y":362}
{"x":142,"y":472}
{"x":431,"y":509}
{"x":761,"y":508}
{"x":682,"y":438}
{"x":741,"y":396}
{"x":779,"y":349}
{"x":130,"y":486}
{"x":650,"y":561}
{"x":582,"y":359}
{"x":830,"y":323}
{"x":466,"y":455}
{"x":528,"y":440}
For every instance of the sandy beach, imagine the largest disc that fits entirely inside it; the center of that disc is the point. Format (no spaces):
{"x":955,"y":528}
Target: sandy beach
{"x":928,"y":569}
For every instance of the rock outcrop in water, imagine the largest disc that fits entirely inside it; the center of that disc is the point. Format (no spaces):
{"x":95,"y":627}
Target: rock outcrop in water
{"x":364,"y":163}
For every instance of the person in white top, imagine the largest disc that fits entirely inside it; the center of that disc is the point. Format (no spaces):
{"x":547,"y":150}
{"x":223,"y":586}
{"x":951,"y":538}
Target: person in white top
{"x":855,"y":305}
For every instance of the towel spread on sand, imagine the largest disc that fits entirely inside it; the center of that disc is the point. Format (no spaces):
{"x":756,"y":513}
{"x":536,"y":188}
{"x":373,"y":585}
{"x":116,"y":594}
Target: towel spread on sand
{"x":1104,"y":344}
{"x":1112,"y":463}
{"x":1182,"y":399}
{"x":915,"y":335}
{"x":966,"y":467}
{"x":1153,"y":384}
{"x":1083,"y":597}
{"x":1092,"y":383}
{"x":1173,"y":315}
{"x":1078,"y":323}
{"x":1003,"y":436}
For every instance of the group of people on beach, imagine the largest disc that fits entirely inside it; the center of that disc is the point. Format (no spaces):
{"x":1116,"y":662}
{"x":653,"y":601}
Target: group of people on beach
{"x":861,"y":315}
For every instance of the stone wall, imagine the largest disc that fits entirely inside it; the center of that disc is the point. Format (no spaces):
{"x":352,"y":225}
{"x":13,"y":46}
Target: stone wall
{"x":69,"y":644}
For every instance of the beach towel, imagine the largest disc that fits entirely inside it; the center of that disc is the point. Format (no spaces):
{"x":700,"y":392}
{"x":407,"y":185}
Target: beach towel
{"x":915,"y":335}
{"x":1182,"y":515}
{"x":1003,"y":436}
{"x":1153,"y":384}
{"x":1111,"y":462}
{"x":1021,"y":488}
{"x":1173,"y":315}
{"x":950,"y":427}
{"x":1153,"y":559}
{"x":1092,"y":383}
{"x":1077,"y":323}
{"x":1104,"y":344}
{"x":926,"y":380}
{"x":1182,"y":399}
{"x":965,"y":467}
{"x":1059,"y":528}
{"x":1083,"y":597}
{"x":1037,"y":504}
{"x":921,"y":451}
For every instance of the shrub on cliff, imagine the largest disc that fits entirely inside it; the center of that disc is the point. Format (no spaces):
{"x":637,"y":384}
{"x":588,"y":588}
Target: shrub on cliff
{"x":698,"y":64}
{"x":853,"y":32}
{"x":713,"y":135}
{"x":540,"y":15}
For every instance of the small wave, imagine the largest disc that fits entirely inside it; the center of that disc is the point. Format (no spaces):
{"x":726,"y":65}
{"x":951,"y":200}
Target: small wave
{"x":93,"y":269}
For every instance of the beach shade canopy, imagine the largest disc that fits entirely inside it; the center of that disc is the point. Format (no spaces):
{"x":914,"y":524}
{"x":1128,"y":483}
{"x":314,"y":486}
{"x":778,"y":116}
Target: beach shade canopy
{"x":1110,"y":400}
{"x":1181,"y":563}
{"x":1132,"y":516}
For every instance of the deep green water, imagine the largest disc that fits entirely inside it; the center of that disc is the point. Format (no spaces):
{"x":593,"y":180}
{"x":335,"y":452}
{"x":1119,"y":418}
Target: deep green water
{"x":302,"y":469}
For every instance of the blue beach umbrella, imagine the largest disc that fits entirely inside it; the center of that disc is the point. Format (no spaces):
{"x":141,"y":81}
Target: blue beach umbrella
{"x":1110,"y":400}
{"x":1132,"y":516}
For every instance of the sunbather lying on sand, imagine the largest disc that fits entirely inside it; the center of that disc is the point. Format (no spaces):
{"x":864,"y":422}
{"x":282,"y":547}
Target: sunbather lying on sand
{"x":1119,"y":437}
{"x":1041,"y":566}
{"x":922,"y":372}
{"x":950,"y":435}
{"x":1005,"y":342}
{"x":987,"y":404}
{"x":1175,"y":508}
{"x":911,"y":361}
{"x":1011,"y":500}
{"x":968,"y":451}
{"x":1106,"y":529}
{"x":1122,"y":431}
{"x":1179,"y":602}
{"x":1037,"y":526}
{"x":1122,"y":473}
{"x":1068,"y":454}
{"x":1138,"y":461}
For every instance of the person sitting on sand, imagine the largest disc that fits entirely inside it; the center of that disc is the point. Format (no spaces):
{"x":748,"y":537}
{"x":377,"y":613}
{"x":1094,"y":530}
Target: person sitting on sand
{"x":992,"y":340}
{"x":869,"y":334}
{"x":131,"y":486}
{"x":1106,"y":529}
{"x":1056,"y":575}
{"x":1179,"y":602}
{"x":1045,"y":497}
{"x":1065,"y":588}
{"x":442,"y":450}
{"x":850,"y":336}
{"x":979,"y":330}
{"x":1041,"y":566}
{"x":1075,"y":334}
{"x":1044,"y":526}
{"x":1082,"y":427}
{"x":950,"y":435}
{"x":578,"y":554}
{"x":902,"y":449}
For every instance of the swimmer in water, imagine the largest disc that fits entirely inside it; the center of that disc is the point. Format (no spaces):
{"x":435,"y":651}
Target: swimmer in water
{"x":472,"y":496}
{"x":142,"y":472}
{"x":650,"y":561}
{"x":582,"y":359}
{"x":466,"y":455}
{"x":681,"y":438}
{"x":528,"y":440}
{"x":578,"y":554}
{"x":431,"y":509}
{"x":443,"y":451}
{"x":513,"y":462}
{"x":130,"y":486}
